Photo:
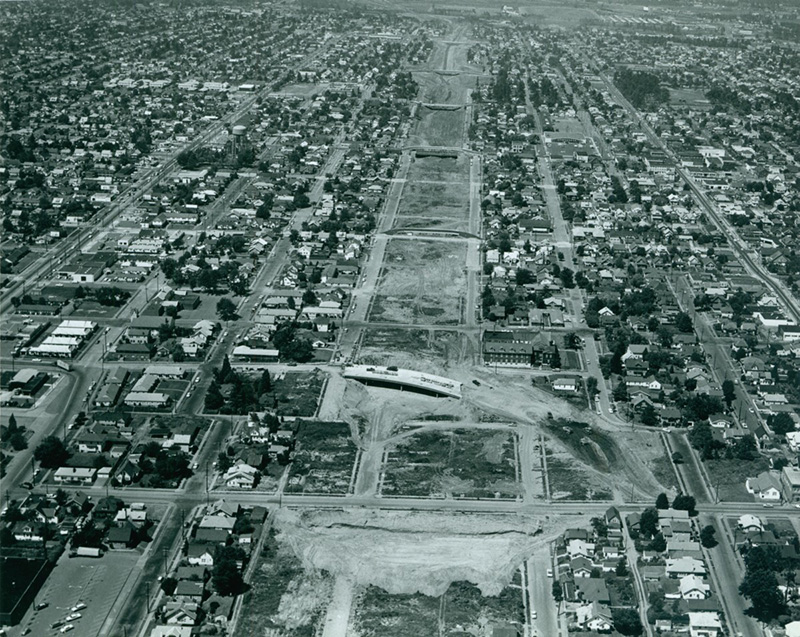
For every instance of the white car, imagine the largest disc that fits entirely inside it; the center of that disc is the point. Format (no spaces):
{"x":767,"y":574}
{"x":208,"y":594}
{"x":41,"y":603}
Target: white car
{"x":73,"y":617}
{"x":549,"y":572}
{"x":533,"y":615}
{"x":77,"y":607}
{"x":67,"y":628}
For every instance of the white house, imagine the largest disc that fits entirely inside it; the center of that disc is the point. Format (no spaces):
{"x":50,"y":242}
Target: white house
{"x":704,"y":624}
{"x":749,"y":522}
{"x":693,"y":587}
{"x":766,"y":486}
{"x":200,"y":555}
{"x":75,"y":475}
{"x":241,"y":476}
{"x":679,"y":567}
{"x":565,"y":384}
{"x":595,"y":617}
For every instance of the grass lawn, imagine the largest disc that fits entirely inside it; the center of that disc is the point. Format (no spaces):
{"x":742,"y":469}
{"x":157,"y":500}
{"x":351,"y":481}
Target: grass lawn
{"x":729,"y":476}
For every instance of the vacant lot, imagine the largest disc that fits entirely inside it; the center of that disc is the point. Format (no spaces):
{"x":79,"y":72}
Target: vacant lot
{"x":294,"y":394}
{"x":284,"y":599}
{"x":461,"y":611}
{"x":423,"y":350}
{"x":460,"y":463}
{"x":729,"y":476}
{"x":568,"y":480}
{"x":436,"y":195}
{"x":439,"y":127}
{"x":381,"y":614}
{"x":323,"y":459}
{"x":422,"y":282}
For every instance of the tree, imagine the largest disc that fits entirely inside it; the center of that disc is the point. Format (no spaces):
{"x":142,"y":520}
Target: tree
{"x":648,"y":522}
{"x":649,"y":416}
{"x":226,"y":576}
{"x":567,"y":279}
{"x":728,"y":392}
{"x":168,"y":585}
{"x":558,"y":593}
{"x":659,"y":543}
{"x":523,"y":276}
{"x":627,"y":621}
{"x":780,"y":423}
{"x":760,"y":586}
{"x":702,"y":439}
{"x":707,"y":537}
{"x":745,"y":448}
{"x":684,"y":323}
{"x":555,"y":360}
{"x":14,"y":435}
{"x":683,"y":502}
{"x":662,"y":502}
{"x":172,"y":465}
{"x":226,"y":309}
{"x":591,"y":386}
{"x":620,"y":393}
{"x":265,"y":386}
{"x":600,"y":527}
{"x":309,"y":298}
{"x":51,"y":453}
{"x":621,"y":569}
{"x":178,"y":355}
{"x":224,"y":462}
{"x":214,"y":399}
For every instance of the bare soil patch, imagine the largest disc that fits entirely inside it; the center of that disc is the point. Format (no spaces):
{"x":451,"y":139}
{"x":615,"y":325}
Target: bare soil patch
{"x":423,"y":350}
{"x":422,"y":282}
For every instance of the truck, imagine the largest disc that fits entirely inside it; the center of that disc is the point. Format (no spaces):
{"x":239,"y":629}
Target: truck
{"x":63,"y":365}
{"x":86,"y":551}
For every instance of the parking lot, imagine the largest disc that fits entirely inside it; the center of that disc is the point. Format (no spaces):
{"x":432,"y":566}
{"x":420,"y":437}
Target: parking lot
{"x":91,"y":581}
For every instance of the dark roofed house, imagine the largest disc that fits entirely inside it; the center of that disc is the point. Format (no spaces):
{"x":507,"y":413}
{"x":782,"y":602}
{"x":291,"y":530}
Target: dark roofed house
{"x":121,"y":537}
{"x":211,"y":536}
{"x":190,"y":591}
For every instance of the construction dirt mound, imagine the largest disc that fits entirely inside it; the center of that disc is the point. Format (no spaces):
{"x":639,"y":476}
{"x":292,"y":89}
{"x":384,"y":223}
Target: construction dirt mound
{"x":405,"y":553}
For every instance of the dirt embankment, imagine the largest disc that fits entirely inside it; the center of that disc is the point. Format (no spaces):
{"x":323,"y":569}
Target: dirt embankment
{"x":406,"y":553}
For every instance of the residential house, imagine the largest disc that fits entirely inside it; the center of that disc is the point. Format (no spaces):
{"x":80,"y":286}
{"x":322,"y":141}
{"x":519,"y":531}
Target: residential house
{"x":595,"y":617}
{"x":704,"y":624}
{"x":200,"y":555}
{"x":766,"y":486}
{"x":241,"y":476}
